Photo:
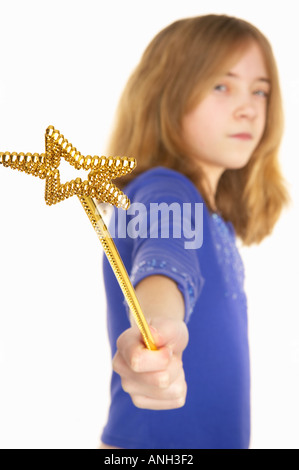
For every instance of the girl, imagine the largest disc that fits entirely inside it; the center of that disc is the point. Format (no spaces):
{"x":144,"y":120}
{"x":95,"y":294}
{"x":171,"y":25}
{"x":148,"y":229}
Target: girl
{"x":202,"y":114}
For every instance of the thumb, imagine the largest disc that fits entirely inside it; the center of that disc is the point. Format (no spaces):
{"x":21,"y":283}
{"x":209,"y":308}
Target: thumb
{"x":170,"y":333}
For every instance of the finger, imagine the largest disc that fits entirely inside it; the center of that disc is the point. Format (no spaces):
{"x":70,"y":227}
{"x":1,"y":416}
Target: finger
{"x":146,"y":382}
{"x":147,"y":402}
{"x":157,"y":387}
{"x":137,"y":357}
{"x":151,"y":404}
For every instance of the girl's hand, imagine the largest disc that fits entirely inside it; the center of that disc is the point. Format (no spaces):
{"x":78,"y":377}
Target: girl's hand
{"x":154,"y":379}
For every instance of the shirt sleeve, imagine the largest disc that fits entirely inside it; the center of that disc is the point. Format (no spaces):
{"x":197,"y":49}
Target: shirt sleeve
{"x":162,"y":220}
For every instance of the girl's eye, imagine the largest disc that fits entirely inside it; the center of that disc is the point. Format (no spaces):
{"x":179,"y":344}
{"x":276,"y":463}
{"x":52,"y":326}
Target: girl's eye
{"x":262,"y":93}
{"x":220,"y":88}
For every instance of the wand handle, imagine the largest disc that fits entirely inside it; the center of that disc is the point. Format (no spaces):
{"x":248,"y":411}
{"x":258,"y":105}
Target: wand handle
{"x":118,"y":268}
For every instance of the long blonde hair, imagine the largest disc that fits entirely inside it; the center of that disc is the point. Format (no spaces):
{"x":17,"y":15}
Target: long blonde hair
{"x":175,"y":71}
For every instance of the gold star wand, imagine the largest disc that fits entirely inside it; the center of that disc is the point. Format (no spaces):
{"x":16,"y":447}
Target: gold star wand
{"x":98,"y":186}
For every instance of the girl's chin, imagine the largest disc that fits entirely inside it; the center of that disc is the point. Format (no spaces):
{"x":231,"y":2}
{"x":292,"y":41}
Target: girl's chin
{"x":238,"y":164}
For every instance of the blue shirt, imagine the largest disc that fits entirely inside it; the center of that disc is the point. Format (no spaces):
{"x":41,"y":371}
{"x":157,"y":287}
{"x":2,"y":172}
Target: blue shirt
{"x":210,"y":275}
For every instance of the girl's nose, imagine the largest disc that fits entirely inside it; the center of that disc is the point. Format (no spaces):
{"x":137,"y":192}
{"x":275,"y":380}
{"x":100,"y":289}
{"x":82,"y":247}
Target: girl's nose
{"x":246,"y":108}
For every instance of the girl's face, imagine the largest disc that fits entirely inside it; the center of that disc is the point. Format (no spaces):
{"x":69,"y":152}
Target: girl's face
{"x":227,"y":125}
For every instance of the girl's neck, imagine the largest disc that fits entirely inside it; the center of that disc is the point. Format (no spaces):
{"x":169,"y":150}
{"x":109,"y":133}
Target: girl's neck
{"x":209,"y":178}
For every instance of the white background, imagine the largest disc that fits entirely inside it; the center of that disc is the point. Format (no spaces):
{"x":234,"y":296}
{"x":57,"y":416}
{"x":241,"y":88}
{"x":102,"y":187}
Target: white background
{"x":65,"y":63}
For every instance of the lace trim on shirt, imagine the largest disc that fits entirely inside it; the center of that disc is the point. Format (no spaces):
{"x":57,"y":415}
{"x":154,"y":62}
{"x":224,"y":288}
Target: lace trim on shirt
{"x":229,"y":258}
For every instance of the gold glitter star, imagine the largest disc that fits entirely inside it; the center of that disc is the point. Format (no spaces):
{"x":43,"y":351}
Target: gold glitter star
{"x":45,"y":166}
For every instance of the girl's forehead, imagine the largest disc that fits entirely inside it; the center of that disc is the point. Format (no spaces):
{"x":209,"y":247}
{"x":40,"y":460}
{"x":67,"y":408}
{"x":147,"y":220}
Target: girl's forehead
{"x":249,"y":60}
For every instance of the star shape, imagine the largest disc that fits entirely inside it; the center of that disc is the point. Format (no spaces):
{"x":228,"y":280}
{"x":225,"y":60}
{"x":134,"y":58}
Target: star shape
{"x":46,"y":166}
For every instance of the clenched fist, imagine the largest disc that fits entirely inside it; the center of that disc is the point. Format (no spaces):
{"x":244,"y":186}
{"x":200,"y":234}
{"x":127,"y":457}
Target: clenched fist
{"x":154,"y":379}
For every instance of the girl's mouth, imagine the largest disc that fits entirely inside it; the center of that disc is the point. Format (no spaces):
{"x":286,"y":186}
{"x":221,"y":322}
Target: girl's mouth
{"x":242,"y":136}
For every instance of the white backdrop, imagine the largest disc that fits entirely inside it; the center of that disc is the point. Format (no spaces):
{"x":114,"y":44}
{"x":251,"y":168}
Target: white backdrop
{"x":65,"y":63}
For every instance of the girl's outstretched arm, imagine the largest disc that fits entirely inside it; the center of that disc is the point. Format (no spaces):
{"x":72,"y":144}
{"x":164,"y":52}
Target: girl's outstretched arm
{"x":155,"y":379}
